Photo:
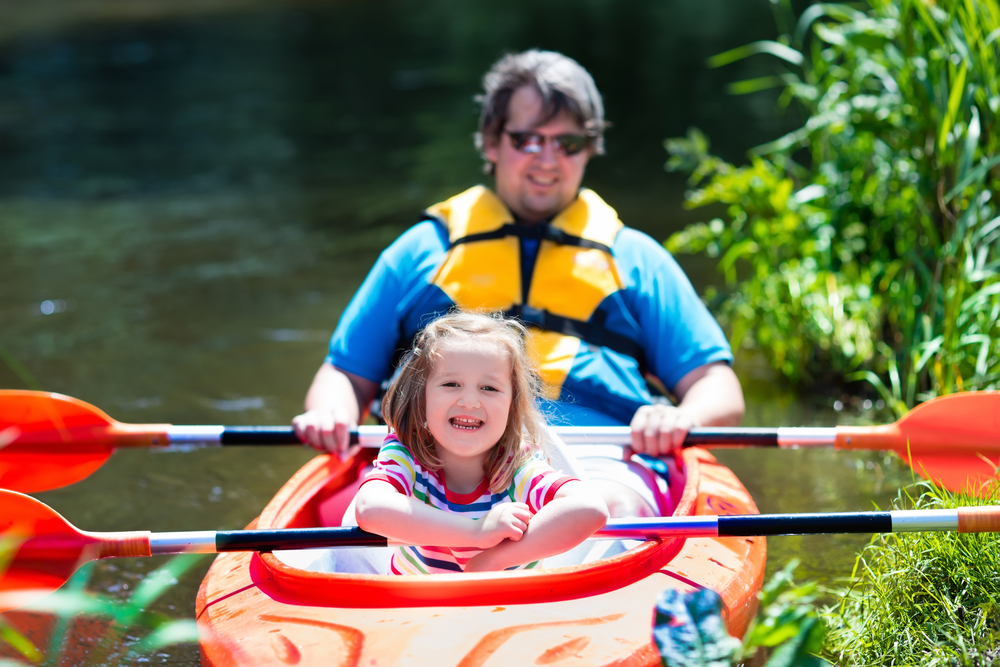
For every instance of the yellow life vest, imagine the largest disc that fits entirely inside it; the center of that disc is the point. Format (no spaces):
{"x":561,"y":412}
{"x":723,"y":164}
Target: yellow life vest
{"x":574,"y":273}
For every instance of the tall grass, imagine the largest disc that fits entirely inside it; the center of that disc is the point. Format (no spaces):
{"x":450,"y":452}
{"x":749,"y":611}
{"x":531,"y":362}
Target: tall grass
{"x":921,"y":598}
{"x":129,"y":616}
{"x":866,"y":244}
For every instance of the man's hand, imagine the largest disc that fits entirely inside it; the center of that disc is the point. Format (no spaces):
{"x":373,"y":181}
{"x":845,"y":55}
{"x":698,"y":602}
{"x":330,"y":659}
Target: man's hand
{"x":504,"y":522}
{"x":326,"y":430}
{"x":659,"y":430}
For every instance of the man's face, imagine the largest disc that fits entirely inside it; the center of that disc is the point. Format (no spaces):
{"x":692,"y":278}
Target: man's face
{"x":539,"y":185}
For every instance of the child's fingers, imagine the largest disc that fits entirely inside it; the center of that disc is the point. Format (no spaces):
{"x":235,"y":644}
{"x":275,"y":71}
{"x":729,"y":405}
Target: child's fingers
{"x":515,"y":530}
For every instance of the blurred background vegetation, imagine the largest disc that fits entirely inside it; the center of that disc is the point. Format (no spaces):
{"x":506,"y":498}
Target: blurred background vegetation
{"x":866,"y":244}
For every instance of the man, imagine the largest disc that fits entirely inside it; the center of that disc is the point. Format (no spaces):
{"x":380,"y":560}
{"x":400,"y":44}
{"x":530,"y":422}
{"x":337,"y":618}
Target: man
{"x":607,"y":304}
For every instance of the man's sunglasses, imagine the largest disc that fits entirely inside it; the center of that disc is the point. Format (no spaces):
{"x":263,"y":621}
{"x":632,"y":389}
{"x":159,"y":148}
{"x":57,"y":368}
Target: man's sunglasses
{"x":532,"y":142}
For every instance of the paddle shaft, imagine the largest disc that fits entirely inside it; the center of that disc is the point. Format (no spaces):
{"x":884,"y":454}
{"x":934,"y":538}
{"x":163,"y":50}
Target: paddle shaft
{"x":372,"y":436}
{"x":963,"y":520}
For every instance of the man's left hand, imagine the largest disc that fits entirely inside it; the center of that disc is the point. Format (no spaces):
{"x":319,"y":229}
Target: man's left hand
{"x":660,"y":429}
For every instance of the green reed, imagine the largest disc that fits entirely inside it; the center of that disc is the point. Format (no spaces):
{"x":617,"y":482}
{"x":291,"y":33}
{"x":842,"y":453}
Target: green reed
{"x":866,"y":245}
{"x":921,"y":598}
{"x":130,"y":616}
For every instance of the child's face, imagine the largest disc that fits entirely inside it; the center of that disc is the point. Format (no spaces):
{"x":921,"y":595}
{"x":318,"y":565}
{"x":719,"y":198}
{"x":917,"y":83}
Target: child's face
{"x":468,"y":399}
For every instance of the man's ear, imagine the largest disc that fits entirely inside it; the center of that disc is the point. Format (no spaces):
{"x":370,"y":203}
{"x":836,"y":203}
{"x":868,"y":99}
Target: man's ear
{"x":491,"y":149}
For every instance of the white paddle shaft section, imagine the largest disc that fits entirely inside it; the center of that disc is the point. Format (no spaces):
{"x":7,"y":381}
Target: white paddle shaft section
{"x":794,"y":437}
{"x":189,"y":542}
{"x":912,"y":521}
{"x":195,"y":436}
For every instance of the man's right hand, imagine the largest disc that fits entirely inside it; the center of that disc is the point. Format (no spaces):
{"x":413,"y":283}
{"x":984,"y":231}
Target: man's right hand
{"x":325,"y":430}
{"x":333,"y":409}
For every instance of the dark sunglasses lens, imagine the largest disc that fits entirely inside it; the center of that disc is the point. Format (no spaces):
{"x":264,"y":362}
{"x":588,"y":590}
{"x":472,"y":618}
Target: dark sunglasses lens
{"x":571,"y":143}
{"x":519,"y":139}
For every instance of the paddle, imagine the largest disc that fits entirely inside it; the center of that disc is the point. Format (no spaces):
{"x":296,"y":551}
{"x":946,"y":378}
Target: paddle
{"x":54,"y":440}
{"x":51,"y":548}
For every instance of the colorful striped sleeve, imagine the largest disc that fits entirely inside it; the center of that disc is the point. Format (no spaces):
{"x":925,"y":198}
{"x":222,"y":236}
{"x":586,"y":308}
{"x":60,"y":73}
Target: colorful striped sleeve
{"x":395,"y":464}
{"x":536,"y":483}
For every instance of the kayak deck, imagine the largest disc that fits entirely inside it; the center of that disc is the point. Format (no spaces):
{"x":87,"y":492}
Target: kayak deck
{"x":256,"y":609}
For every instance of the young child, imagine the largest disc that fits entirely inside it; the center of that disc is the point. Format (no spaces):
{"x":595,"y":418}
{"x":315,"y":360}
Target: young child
{"x":462,"y":468}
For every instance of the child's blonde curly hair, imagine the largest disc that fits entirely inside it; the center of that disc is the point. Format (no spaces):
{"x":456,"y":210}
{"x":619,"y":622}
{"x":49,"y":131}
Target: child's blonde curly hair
{"x":404,"y":406}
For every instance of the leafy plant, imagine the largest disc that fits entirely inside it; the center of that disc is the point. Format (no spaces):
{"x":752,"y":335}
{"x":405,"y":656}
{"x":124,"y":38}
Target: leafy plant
{"x":921,"y":598}
{"x":72,"y":601}
{"x":866,"y":244}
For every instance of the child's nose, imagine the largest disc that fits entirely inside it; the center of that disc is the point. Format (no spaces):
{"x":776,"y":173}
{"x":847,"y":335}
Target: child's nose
{"x":469,"y":399}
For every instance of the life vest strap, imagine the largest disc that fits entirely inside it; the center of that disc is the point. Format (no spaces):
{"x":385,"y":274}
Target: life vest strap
{"x":540,"y":232}
{"x":593,"y":332}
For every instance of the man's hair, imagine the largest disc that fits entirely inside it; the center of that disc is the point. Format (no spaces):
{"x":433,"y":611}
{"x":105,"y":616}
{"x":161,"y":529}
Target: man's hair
{"x":563,"y":84}
{"x":404,"y":406}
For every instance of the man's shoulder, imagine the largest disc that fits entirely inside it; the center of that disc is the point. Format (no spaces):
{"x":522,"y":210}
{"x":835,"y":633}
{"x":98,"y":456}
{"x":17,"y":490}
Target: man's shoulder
{"x":425,"y":241}
{"x":633,"y":248}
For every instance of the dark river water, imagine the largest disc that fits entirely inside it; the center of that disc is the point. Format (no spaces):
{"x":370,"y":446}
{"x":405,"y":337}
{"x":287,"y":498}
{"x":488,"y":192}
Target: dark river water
{"x":190,"y":192}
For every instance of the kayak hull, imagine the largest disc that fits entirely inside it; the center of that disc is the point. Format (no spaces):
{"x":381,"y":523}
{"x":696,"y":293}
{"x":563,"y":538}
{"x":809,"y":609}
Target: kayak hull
{"x":254,"y":609}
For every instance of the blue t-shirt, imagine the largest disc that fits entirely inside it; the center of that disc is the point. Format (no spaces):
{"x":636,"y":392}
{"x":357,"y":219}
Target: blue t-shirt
{"x":658,"y":305}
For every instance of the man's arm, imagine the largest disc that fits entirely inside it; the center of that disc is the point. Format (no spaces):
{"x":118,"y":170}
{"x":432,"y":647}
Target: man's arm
{"x":710,"y":395}
{"x":336,"y":402}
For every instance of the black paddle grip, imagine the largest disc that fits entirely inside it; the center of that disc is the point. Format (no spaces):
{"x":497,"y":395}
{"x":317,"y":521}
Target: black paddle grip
{"x":264,"y":435}
{"x":296,"y":538}
{"x":805,"y":524}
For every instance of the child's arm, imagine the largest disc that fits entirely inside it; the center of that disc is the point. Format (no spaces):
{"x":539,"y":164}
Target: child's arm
{"x":382,"y":510}
{"x":575,"y":513}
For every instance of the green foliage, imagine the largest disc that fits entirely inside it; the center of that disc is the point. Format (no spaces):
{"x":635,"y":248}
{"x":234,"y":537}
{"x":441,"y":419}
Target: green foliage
{"x":921,"y":598}
{"x":866,"y":244}
{"x":788,"y":623}
{"x":72,"y":600}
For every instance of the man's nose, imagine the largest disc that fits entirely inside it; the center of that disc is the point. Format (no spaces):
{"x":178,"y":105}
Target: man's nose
{"x":547,"y":155}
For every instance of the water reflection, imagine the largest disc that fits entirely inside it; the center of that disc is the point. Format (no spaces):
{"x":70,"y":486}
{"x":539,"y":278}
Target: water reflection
{"x":188,"y":198}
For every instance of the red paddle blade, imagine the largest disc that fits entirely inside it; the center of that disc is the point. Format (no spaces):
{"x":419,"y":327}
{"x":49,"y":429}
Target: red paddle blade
{"x":43,"y":550}
{"x":953,"y":440}
{"x":50,"y":440}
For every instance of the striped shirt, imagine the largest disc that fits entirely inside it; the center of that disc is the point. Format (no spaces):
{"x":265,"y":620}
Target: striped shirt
{"x":535,"y":484}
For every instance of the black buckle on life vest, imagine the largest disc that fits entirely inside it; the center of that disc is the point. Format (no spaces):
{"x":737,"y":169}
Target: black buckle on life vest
{"x":593,"y":332}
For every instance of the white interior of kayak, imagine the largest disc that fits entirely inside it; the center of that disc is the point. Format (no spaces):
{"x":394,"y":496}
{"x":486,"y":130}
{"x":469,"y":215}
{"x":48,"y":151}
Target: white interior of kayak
{"x":629,"y":488}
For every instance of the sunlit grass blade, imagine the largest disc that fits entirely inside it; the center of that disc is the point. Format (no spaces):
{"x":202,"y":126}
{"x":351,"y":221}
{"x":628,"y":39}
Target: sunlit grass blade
{"x":753,"y":85}
{"x":973,"y":176}
{"x":18,"y":642}
{"x":777,"y":49}
{"x":20,"y":370}
{"x":76,"y":585}
{"x":819,"y":10}
{"x":173,"y":632}
{"x":155,"y":584}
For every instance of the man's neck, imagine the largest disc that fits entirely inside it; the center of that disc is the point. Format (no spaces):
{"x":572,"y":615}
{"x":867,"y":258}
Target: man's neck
{"x":530,"y":223}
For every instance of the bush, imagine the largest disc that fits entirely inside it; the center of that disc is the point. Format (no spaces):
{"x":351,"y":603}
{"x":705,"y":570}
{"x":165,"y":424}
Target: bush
{"x":866,"y":245}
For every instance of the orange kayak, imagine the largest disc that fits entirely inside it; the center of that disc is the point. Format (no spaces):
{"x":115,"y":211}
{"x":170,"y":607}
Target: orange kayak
{"x":271,"y":609}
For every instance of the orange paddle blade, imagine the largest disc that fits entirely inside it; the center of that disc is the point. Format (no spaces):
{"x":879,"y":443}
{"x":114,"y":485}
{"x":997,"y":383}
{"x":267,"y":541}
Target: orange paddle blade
{"x":953,"y":440}
{"x":34,"y":426}
{"x":43,"y":550}
{"x":49,"y":440}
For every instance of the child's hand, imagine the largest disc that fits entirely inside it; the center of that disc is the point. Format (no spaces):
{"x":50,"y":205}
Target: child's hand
{"x":506,"y":521}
